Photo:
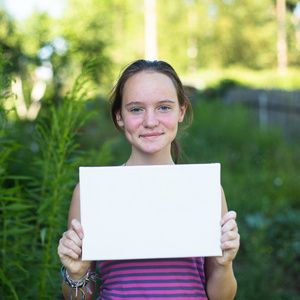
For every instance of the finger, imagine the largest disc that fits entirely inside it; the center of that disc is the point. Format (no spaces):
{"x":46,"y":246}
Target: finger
{"x":230,"y":225}
{"x":231,"y":244}
{"x":76,"y":226}
{"x":70,"y":237}
{"x":229,"y":215}
{"x":229,"y":236}
{"x":71,"y":251}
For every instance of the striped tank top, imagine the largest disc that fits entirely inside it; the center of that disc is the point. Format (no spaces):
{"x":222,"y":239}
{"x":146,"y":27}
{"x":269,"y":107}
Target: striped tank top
{"x":173,"y":278}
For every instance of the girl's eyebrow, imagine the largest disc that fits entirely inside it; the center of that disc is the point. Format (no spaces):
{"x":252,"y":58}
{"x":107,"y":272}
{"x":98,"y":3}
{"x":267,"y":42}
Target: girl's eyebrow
{"x":139,"y":103}
{"x":133,"y":103}
{"x":166,"y":101}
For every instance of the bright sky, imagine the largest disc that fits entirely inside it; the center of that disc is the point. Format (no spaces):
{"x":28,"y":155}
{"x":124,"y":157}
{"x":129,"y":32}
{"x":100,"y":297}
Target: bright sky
{"x":21,"y":9}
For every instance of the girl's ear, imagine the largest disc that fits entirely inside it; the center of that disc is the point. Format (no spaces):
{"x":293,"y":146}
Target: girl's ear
{"x":182,"y":112}
{"x":119,"y":118}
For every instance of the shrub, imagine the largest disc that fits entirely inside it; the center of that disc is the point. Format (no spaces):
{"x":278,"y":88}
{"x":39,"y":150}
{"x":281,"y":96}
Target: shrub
{"x":260,"y":176}
{"x":34,"y":209}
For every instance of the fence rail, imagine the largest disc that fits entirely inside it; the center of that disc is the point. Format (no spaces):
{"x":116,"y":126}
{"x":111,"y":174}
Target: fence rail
{"x":274,"y":108}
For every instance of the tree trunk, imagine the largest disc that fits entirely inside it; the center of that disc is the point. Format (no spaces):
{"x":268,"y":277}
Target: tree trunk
{"x":150,"y":30}
{"x":281,"y":37}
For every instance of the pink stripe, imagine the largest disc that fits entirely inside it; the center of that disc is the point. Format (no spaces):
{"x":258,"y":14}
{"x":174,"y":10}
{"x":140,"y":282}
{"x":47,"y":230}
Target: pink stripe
{"x":128,"y":274}
{"x":151,"y":262}
{"x":149,"y":277}
{"x":145,"y":264}
{"x":160,"y":298}
{"x":153,"y":277}
{"x":156,"y":292}
{"x":194,"y":271}
{"x":160,"y":284}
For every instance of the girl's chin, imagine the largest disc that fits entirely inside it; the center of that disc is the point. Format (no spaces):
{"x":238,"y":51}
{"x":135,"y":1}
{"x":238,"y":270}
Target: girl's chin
{"x":154,"y":150}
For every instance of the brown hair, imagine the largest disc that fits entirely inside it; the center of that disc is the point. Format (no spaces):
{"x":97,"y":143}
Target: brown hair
{"x":156,"y":66}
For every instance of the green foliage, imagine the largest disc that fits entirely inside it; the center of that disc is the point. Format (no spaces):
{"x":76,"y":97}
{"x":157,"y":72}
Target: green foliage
{"x":33,"y":212}
{"x":10,"y":203}
{"x":221,"y":34}
{"x":39,"y":159}
{"x":274,"y":242}
{"x":209,"y":34}
{"x":55,"y":176}
{"x":265,"y":79}
{"x":260,"y":176}
{"x":8,"y":36}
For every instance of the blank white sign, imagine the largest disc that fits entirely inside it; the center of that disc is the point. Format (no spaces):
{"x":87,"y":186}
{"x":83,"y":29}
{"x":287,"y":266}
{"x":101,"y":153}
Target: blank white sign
{"x":137,"y":212}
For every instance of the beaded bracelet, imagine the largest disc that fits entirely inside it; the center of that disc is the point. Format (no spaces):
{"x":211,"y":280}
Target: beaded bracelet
{"x":79,"y":284}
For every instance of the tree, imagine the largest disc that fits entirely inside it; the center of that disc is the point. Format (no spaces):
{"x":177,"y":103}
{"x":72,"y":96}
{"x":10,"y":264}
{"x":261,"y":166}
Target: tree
{"x":281,"y":37}
{"x":217,"y":33}
{"x":150,"y":30}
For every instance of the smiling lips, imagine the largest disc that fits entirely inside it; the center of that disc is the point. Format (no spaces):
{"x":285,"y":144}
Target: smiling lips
{"x":151,"y":136}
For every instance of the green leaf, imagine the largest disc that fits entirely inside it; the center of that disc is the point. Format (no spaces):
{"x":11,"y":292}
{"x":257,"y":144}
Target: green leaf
{"x":9,"y":284}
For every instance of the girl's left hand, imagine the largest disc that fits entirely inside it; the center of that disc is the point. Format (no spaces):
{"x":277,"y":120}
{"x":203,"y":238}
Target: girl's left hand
{"x":230,"y":239}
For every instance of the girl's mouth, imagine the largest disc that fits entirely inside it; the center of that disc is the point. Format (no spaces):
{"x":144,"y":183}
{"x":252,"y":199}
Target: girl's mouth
{"x":151,"y":136}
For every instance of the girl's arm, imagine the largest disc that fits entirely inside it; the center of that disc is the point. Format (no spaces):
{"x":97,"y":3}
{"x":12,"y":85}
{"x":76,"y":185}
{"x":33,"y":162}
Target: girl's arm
{"x":69,"y":250}
{"x":220,"y":280}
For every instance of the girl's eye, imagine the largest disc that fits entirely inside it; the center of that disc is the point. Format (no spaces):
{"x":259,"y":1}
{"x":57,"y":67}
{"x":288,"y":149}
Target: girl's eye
{"x":164,"y":107}
{"x":135,"y":109}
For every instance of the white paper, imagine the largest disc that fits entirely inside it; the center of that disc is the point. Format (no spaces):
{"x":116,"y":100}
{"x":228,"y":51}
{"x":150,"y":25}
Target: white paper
{"x":136,"y":212}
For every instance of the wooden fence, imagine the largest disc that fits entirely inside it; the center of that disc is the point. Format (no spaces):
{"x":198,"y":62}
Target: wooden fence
{"x":274,"y":108}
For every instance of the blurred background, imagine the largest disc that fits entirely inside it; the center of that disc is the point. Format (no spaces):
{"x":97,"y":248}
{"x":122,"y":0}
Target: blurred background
{"x":240,"y":63}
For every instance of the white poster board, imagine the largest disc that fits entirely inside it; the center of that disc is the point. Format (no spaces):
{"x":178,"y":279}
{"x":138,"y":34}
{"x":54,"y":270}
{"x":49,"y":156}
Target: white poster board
{"x":137,"y":212}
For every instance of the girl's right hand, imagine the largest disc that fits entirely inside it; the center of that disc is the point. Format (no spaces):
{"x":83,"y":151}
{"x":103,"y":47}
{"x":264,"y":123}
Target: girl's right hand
{"x":69,"y":251}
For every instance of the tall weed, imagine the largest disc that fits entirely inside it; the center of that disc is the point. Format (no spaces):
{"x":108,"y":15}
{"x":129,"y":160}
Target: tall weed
{"x":56,"y":174}
{"x":11,"y":204}
{"x":33,"y":212}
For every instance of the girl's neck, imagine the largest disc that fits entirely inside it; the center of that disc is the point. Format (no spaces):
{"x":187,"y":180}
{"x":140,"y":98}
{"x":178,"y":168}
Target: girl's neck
{"x":154,"y":159}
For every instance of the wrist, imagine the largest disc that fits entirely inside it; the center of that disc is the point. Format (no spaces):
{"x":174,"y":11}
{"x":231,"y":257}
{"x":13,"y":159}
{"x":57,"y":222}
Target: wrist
{"x":77,"y":275}
{"x":77,"y":271}
{"x":221,"y":265}
{"x":74,"y":284}
{"x":222,"y":271}
{"x":79,"y":285}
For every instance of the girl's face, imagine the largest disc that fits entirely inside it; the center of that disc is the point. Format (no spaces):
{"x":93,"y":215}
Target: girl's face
{"x":150,"y":112}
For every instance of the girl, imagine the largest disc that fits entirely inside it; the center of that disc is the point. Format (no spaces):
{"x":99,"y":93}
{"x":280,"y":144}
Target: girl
{"x":148,"y":103}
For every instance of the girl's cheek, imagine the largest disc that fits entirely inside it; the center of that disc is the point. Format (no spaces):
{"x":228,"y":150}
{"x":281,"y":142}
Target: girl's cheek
{"x":132,"y":123}
{"x":170,"y":120}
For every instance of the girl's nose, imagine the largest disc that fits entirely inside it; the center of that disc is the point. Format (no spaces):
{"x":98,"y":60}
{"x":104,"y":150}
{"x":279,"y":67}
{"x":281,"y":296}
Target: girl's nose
{"x":150,"y":120}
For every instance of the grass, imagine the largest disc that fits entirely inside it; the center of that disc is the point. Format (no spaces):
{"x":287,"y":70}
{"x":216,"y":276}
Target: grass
{"x":263,"y":79}
{"x":260,"y":176}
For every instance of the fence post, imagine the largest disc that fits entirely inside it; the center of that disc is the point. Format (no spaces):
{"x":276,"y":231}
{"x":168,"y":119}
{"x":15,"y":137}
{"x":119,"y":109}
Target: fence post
{"x":263,"y":109}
